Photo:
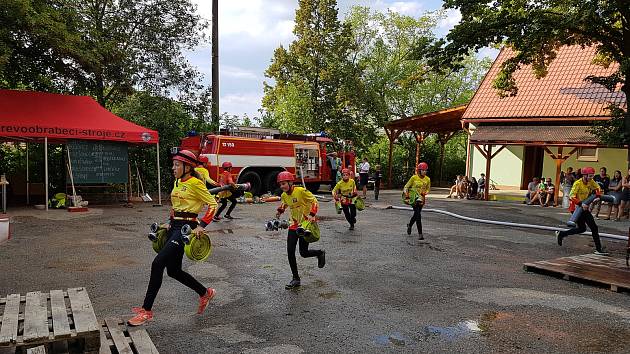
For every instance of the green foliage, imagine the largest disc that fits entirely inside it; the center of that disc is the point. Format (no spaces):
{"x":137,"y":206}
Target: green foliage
{"x":535,"y":30}
{"x":102,"y":48}
{"x":171,"y":119}
{"x":314,"y":80}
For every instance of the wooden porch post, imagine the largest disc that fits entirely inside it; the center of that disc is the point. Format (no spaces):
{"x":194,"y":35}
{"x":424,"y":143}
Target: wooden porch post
{"x":559,"y":158}
{"x":488,"y":162}
{"x":392,"y":135}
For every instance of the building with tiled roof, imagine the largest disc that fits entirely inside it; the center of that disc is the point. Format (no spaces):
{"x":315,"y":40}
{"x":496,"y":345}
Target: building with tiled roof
{"x":545,"y":126}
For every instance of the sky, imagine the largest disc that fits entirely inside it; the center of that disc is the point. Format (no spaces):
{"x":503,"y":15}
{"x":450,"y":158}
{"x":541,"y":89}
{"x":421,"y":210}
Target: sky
{"x":249,"y":32}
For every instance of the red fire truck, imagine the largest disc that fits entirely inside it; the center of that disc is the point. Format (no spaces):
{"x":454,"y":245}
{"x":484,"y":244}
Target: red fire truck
{"x":259,"y":154}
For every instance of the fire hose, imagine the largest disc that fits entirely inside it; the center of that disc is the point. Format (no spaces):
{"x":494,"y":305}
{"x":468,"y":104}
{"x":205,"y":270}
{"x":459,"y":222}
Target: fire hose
{"x":510,"y":224}
{"x":525,"y":226}
{"x":242,"y":186}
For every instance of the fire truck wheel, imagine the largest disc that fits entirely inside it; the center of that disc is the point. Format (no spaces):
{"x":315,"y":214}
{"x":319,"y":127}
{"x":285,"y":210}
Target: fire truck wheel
{"x":270,"y":184}
{"x":313,"y":187}
{"x":254,"y":180}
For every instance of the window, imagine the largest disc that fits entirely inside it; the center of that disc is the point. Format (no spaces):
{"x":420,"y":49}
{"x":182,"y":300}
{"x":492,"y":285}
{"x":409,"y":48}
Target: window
{"x":587,"y":154}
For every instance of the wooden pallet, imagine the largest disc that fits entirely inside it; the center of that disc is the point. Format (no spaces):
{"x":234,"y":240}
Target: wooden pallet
{"x":117,"y":338}
{"x":62,"y":321}
{"x":607,"y":271}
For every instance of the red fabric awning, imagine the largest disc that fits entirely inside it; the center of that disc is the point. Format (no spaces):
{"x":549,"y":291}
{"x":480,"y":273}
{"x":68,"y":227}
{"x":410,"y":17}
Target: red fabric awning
{"x":28,"y":114}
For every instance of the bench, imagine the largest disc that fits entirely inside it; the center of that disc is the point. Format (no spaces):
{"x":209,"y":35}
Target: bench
{"x":60,"y":321}
{"x":116,"y":337}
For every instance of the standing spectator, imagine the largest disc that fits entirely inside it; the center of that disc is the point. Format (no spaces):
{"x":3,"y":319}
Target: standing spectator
{"x":569,"y":179}
{"x":378,"y":176}
{"x":364,"y":174}
{"x":339,"y":168}
{"x":532,"y":189}
{"x":332,"y":160}
{"x":625,"y":199}
{"x":604,"y":181}
{"x":473,"y":185}
{"x":482,"y":187}
{"x":615,"y":191}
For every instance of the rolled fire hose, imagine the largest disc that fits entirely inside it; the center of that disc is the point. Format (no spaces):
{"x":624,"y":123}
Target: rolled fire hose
{"x":197,"y":249}
{"x":241,"y":186}
{"x":505,"y":223}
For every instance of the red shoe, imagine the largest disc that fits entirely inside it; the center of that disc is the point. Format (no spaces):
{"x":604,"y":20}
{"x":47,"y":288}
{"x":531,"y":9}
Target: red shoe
{"x":142,"y":316}
{"x":205,"y":299}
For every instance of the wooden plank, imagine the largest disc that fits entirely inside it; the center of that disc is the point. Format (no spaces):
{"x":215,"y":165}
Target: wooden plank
{"x":35,"y":317}
{"x":37,"y":350}
{"x":9,"y":329}
{"x":142,"y":342}
{"x":118,"y":336}
{"x":600,"y":269}
{"x":61,"y":326}
{"x":82,"y":312}
{"x":104,"y":343}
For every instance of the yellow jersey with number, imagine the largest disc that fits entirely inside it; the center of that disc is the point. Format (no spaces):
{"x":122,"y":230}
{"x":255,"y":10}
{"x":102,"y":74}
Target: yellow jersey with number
{"x":302,"y":204}
{"x":345,"y":190}
{"x":190,"y":195}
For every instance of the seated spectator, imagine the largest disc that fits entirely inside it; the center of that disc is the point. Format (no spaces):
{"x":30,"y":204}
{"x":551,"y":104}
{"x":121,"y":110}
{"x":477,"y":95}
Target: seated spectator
{"x":604,"y":182}
{"x":532,"y":189}
{"x":615,"y":190}
{"x":550,"y":193}
{"x":541,"y":193}
{"x":463,"y":187}
{"x":473,"y":186}
{"x":455,"y":188}
{"x":625,"y":198}
{"x":482,"y":187}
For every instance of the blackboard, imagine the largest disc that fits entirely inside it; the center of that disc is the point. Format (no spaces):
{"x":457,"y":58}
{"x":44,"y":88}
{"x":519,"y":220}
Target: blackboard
{"x":98,"y":162}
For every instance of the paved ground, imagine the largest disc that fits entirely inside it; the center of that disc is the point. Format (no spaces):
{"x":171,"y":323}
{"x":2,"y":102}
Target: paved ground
{"x":462,"y":291}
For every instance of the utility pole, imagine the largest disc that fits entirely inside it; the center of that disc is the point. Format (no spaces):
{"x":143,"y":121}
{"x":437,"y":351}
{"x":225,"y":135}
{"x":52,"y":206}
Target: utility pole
{"x":215,"y":65}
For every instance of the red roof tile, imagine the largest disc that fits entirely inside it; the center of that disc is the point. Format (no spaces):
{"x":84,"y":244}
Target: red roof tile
{"x":533,"y":134}
{"x":563,"y":93}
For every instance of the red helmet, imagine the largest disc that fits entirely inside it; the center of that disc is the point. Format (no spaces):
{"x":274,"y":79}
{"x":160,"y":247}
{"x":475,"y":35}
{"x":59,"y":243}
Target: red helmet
{"x":344,"y":171}
{"x":588,"y":170}
{"x":423,"y":166}
{"x":226,"y":164}
{"x":285,"y":176}
{"x":203,"y":159}
{"x":186,"y":156}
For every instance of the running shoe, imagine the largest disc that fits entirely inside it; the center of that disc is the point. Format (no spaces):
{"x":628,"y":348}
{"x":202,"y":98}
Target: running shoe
{"x":295,"y":283}
{"x":321,"y":259}
{"x":205,"y":299}
{"x":409,"y":229}
{"x":559,"y":238}
{"x":420,"y":237}
{"x":142,"y":316}
{"x":601,"y":253}
{"x":229,"y":217}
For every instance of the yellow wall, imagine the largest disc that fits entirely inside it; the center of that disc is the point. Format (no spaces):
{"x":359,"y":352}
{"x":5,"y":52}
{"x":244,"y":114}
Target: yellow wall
{"x":506,"y":168}
{"x":612,"y":159}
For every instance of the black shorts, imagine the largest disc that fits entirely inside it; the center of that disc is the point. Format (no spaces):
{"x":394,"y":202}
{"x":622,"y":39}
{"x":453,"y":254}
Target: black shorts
{"x":363,"y":179}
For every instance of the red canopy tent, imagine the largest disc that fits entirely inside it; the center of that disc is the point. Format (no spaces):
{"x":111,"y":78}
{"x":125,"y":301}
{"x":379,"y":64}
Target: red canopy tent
{"x":35,"y":116}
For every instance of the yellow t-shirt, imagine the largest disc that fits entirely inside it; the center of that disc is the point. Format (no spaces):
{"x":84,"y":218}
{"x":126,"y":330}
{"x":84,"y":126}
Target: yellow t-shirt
{"x":302,"y":203}
{"x":205,"y":175}
{"x":346,"y":190}
{"x":422,"y":185}
{"x":581,"y":190}
{"x":190,"y":195}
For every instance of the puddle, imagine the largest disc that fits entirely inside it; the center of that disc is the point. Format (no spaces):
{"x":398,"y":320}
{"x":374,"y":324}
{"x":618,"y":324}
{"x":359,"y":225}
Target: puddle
{"x":395,"y":339}
{"x":330,"y":295}
{"x":461,"y":330}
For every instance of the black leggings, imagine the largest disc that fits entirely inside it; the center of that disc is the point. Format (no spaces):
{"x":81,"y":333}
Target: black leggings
{"x":292,"y":240}
{"x":170,"y":257}
{"x":224,"y":202}
{"x":586,"y":218}
{"x":417,"y":216}
{"x":350,"y":211}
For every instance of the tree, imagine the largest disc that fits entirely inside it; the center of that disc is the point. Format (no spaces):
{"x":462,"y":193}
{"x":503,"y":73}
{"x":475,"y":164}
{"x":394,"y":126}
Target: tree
{"x":535,"y":30}
{"x":103,"y":48}
{"x":171,"y":119}
{"x":313,"y":80}
{"x":397,"y":85}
